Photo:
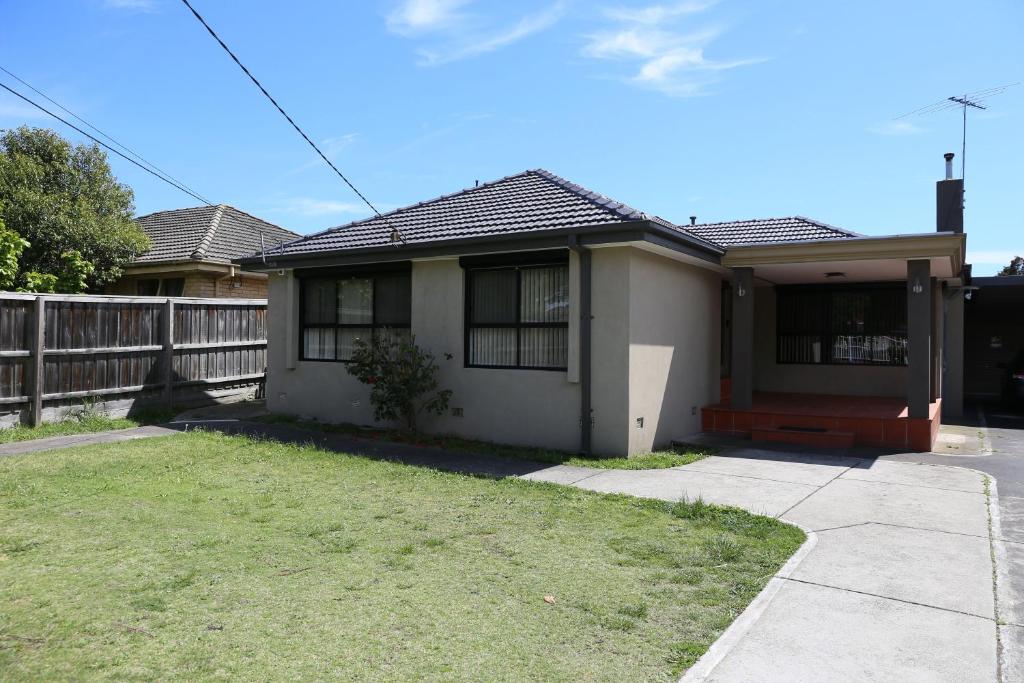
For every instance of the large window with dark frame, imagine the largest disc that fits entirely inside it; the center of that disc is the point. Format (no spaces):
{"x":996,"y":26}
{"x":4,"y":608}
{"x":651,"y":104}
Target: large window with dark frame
{"x":338,"y":310}
{"x":517,"y":315}
{"x":852,"y":325}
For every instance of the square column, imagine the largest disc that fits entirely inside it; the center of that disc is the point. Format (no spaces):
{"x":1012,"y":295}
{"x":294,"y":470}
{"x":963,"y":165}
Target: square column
{"x":742,"y":371}
{"x":919,"y":337}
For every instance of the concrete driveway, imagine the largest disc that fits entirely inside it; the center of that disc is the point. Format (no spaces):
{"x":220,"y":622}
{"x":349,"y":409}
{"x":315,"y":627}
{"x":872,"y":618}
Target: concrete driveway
{"x":895,"y":582}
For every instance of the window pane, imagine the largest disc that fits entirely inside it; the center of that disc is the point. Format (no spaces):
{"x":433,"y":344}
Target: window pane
{"x":493,"y":296}
{"x":492,"y":346}
{"x":800,"y":348}
{"x":174,"y":286}
{"x":318,"y":344}
{"x":347,"y":337}
{"x":147,"y":287}
{"x":355,"y":301}
{"x":319,"y":296}
{"x":393,"y":299}
{"x":544,"y":347}
{"x":545,"y":295}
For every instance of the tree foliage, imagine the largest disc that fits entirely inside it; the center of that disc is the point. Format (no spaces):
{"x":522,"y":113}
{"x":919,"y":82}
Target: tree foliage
{"x":402,"y":378}
{"x":63,"y":199}
{"x":11,"y":246}
{"x":1016,"y":267}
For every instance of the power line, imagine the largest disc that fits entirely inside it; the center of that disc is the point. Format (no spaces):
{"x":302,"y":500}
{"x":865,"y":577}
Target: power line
{"x":285,"y":114}
{"x":167,"y":176}
{"x":103,"y":144}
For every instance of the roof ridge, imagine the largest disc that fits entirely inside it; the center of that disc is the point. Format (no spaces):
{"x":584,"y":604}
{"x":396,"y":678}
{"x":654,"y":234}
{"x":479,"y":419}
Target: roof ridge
{"x":595,"y":198}
{"x":829,"y":226}
{"x":204,"y":244}
{"x":261,"y":220}
{"x":409,"y":207}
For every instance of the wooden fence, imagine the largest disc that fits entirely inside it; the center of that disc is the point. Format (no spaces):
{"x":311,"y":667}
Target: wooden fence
{"x":75,"y":348}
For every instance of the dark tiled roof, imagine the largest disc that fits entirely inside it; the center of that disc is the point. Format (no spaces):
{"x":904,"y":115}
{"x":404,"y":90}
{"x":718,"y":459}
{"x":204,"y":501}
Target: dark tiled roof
{"x":763,"y":230}
{"x":207,"y":233}
{"x":527,"y":202}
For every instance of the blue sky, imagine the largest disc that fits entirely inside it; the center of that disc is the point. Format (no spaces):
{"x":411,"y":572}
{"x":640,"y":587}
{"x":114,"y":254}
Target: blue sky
{"x":726,"y":110}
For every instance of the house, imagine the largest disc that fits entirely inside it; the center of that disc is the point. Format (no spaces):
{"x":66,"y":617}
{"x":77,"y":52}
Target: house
{"x":564,"y":319}
{"x":192,"y":251}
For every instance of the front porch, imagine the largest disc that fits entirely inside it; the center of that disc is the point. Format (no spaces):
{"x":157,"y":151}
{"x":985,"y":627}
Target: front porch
{"x":826,"y":421}
{"x":842,"y":343}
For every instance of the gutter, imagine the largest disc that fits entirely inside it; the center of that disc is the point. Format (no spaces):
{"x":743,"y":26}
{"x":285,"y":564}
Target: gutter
{"x":586,"y":315}
{"x":604,"y":233}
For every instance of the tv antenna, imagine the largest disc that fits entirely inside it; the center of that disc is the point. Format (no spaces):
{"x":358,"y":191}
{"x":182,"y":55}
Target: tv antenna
{"x":970,"y":100}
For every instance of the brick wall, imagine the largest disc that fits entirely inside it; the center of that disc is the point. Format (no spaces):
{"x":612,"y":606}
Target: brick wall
{"x":204,"y":285}
{"x":248,"y":288}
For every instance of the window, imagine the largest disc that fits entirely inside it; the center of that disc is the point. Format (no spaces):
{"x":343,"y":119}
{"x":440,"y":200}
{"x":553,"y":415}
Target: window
{"x":147,"y":287}
{"x":173,"y":286}
{"x":857,"y":325}
{"x":518,"y":315}
{"x":336,"y":311}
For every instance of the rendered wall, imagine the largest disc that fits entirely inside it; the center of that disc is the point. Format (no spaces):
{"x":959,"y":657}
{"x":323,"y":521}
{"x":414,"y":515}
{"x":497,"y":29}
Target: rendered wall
{"x":674,"y":348}
{"x":521,"y":407}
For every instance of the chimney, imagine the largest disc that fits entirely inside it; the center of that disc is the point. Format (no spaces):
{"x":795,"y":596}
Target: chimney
{"x":693,"y":220}
{"x":949,"y":201}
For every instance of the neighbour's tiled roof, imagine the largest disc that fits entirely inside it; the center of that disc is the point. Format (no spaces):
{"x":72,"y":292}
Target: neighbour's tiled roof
{"x":762,"y":230}
{"x":207,"y":233}
{"x":527,"y":202}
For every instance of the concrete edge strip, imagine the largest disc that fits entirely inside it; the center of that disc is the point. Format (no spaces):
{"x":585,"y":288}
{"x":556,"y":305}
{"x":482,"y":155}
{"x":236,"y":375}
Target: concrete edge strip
{"x":1010,"y":658}
{"x":736,"y":631}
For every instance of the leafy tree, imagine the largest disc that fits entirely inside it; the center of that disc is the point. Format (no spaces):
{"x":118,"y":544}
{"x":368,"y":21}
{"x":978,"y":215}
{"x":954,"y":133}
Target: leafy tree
{"x":11,"y":246}
{"x":63,"y":198}
{"x":1016,"y":267}
{"x":402,"y":378}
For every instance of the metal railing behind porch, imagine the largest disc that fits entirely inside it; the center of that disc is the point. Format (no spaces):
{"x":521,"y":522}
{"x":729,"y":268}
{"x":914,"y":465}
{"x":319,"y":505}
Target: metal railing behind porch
{"x":67,"y":348}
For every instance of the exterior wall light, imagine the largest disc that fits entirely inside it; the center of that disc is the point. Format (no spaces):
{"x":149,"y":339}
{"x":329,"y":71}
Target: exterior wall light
{"x":917,"y":288}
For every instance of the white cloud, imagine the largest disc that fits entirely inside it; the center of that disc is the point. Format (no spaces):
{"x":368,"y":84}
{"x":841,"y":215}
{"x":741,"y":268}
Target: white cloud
{"x":306,"y":206}
{"x":421,"y":16}
{"x":333,"y":146}
{"x":992,"y":257}
{"x":896,"y":128}
{"x":456,"y":34}
{"x":665,"y":57}
{"x":656,"y":14}
{"x":135,"y":5}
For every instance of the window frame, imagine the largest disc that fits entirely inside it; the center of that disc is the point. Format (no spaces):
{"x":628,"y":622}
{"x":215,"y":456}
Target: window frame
{"x":827,"y":334}
{"x":371,"y":273}
{"x":517,"y":262}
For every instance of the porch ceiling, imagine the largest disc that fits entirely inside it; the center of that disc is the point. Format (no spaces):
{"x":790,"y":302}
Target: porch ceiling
{"x":866,"y":259}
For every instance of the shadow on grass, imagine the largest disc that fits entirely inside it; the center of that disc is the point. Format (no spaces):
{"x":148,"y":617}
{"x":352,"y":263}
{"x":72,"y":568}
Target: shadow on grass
{"x":444,"y":452}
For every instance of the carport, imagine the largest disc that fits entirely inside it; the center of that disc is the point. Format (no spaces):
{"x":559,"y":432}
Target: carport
{"x":993,"y":333}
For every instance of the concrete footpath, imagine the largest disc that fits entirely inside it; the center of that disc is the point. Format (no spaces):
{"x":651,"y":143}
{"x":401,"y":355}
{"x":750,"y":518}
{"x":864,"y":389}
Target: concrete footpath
{"x":895,"y":582}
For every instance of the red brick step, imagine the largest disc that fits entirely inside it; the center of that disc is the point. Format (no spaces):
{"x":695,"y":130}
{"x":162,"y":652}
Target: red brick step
{"x":825,"y":438}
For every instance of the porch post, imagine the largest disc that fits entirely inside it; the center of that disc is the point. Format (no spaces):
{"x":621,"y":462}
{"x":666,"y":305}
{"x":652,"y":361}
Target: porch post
{"x":742,"y":338}
{"x":919,"y":331}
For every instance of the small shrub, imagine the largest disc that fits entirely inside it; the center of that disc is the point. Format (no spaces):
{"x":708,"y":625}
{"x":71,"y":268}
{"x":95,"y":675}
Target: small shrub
{"x":402,"y":378}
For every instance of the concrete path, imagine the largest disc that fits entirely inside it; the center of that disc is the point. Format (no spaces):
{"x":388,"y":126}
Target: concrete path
{"x":895,"y":583}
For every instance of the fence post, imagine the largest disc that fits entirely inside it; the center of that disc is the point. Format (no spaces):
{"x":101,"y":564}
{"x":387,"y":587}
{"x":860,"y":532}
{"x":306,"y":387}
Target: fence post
{"x":168,"y":342}
{"x":35,"y":379}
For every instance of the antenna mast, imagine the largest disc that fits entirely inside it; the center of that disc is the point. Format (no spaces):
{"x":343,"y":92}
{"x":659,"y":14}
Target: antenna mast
{"x":964,"y":103}
{"x":971,"y":100}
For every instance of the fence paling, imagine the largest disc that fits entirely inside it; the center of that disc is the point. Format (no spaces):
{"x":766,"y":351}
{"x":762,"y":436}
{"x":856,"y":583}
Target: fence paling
{"x":62,"y":347}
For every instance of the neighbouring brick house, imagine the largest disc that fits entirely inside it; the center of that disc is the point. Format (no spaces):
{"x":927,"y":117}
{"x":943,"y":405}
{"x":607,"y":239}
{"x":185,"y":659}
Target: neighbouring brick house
{"x":191,"y":254}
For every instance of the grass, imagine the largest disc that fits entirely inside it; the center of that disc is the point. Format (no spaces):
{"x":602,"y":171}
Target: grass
{"x":205,"y":556}
{"x":83,"y":422}
{"x":675,"y":457}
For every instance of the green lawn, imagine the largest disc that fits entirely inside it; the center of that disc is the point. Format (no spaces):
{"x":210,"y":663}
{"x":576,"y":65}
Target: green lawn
{"x":644,"y":461}
{"x":203,"y":556}
{"x":83,"y":422}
